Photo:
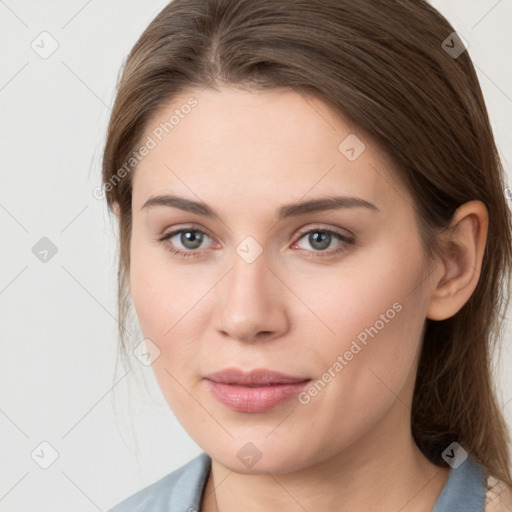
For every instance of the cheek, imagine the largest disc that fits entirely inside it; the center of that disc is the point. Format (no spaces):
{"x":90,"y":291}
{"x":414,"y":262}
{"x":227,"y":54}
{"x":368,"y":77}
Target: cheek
{"x":363,"y":375}
{"x":369,"y":291}
{"x":161,"y":292}
{"x":376,"y":310}
{"x":372,"y":315}
{"x":170,"y":301}
{"x":167,"y":306}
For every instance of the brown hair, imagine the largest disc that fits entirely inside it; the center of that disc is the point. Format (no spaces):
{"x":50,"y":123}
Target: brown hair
{"x":383,"y":65}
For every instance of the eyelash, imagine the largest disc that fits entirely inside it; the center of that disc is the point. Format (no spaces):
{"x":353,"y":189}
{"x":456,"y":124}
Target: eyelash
{"x":312,"y":254}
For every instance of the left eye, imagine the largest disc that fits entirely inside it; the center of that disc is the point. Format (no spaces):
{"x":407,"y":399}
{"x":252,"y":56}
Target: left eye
{"x":320,"y":239}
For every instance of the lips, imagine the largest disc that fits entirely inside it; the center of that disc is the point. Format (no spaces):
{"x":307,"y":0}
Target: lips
{"x":255,"y":391}
{"x":258,"y":377}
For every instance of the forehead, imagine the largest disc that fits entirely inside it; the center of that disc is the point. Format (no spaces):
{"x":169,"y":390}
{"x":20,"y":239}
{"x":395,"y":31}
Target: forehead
{"x":258,"y":144}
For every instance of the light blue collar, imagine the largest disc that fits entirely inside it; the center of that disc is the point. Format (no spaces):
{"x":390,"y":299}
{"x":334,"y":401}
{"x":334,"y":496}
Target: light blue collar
{"x":464,"y":490}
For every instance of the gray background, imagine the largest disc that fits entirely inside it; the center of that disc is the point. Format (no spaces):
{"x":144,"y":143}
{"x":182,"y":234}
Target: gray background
{"x":112,"y":430}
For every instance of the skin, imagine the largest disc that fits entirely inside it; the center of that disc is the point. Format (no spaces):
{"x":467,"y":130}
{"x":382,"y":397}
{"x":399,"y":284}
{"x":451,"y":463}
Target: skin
{"x":245,"y":154}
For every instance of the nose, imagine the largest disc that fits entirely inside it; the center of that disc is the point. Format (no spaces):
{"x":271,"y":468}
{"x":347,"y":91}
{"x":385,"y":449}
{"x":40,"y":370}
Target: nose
{"x":251,"y":302}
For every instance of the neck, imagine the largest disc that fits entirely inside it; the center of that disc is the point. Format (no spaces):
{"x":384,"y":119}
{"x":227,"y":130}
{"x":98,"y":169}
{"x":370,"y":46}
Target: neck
{"x":384,"y":470}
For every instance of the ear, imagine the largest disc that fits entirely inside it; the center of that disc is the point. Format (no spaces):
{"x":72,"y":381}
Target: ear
{"x":460,"y":265}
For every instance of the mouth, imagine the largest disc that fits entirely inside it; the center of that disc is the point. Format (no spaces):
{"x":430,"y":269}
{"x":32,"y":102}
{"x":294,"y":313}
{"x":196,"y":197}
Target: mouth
{"x":255,"y":391}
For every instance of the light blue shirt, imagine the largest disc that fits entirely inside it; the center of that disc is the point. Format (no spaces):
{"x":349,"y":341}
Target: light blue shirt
{"x":182,"y":490}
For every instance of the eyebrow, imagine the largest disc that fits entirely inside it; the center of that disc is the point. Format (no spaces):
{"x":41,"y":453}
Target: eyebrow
{"x":285,"y":211}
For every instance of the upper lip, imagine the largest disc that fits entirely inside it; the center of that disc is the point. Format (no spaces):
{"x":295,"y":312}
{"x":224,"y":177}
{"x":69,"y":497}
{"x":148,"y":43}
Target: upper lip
{"x":259,"y":376}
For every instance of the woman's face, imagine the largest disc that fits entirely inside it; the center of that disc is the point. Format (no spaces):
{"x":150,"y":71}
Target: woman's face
{"x":333,"y":296}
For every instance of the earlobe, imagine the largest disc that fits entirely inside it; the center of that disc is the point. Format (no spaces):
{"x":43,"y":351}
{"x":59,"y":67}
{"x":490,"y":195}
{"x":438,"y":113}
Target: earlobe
{"x":462,"y":260}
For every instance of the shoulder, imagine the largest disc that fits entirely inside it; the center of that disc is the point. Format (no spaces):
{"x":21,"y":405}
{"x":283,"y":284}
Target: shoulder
{"x":179,"y":491}
{"x":498,"y":497}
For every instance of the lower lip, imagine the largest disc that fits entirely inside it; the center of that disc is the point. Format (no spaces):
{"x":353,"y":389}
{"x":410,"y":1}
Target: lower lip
{"x":254,"y":399}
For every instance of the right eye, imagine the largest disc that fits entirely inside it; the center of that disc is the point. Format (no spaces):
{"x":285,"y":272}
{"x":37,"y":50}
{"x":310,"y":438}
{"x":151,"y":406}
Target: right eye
{"x":189,"y":238}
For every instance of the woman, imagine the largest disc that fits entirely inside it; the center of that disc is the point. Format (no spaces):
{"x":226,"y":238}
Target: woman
{"x":315,"y":237}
